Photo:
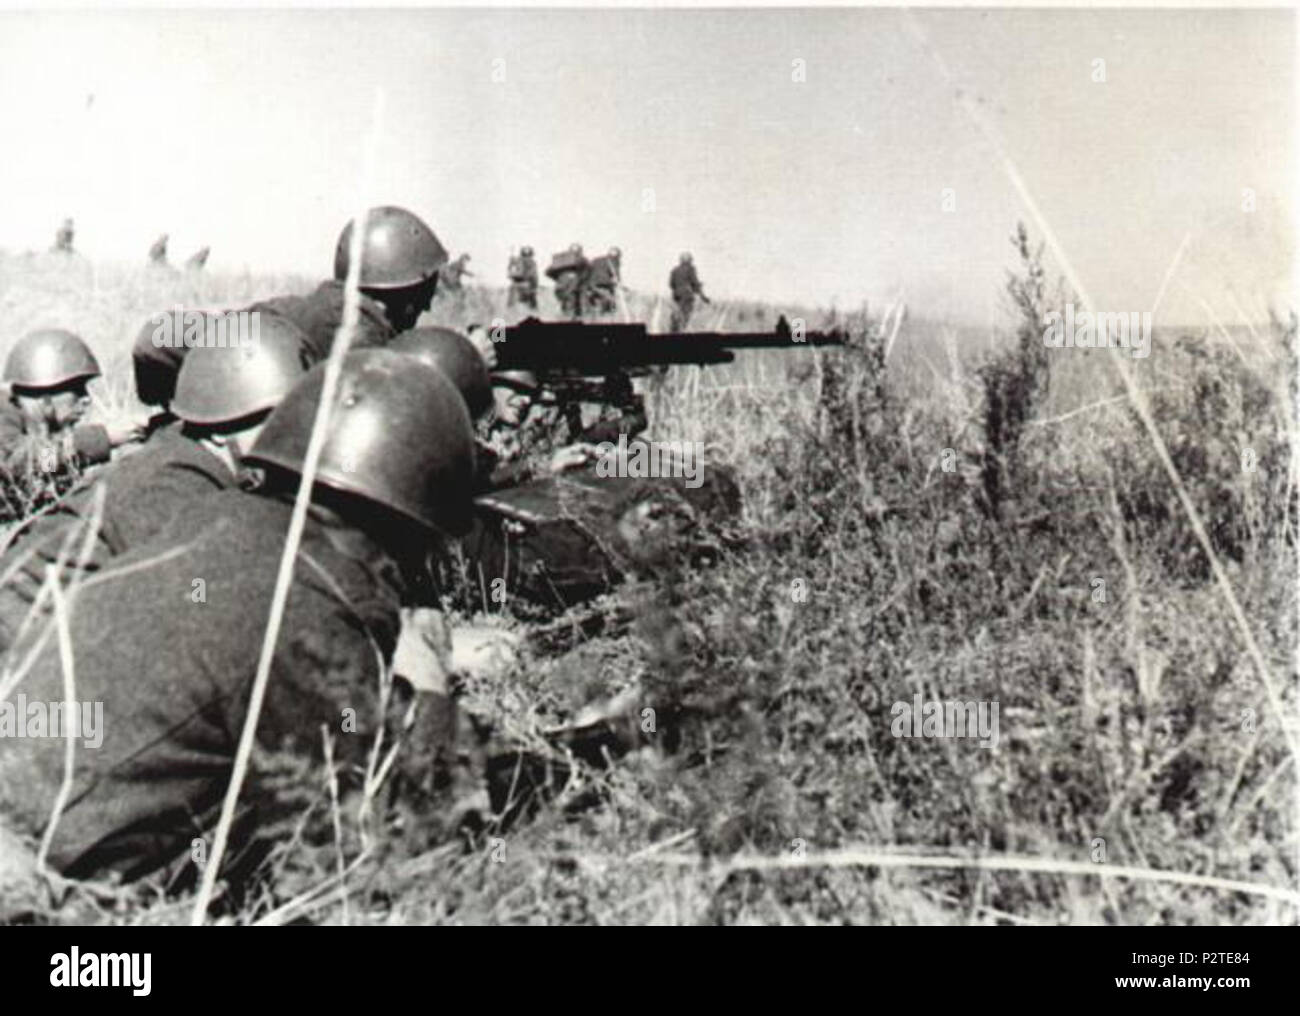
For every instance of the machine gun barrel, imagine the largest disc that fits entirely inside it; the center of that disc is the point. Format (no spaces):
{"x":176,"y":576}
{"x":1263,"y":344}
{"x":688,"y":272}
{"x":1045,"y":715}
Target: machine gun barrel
{"x":597,"y":349}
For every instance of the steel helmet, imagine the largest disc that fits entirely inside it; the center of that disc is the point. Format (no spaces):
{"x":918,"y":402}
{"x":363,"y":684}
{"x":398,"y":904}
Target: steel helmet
{"x":220,"y":384}
{"x":398,"y":250}
{"x":454,"y":355}
{"x":520,"y":380}
{"x":686,"y":257}
{"x":527,"y":252}
{"x":575,"y":248}
{"x":50,"y":358}
{"x":614,"y":252}
{"x":399,"y":435}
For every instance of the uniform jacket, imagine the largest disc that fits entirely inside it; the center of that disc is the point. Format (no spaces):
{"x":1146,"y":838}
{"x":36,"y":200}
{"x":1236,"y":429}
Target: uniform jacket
{"x":143,"y":492}
{"x":683,"y":280}
{"x":603,"y":273}
{"x":167,"y":640}
{"x":318,"y":315}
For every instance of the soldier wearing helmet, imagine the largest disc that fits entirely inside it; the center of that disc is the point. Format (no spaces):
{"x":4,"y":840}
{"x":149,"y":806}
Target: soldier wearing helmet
{"x":400,"y":261}
{"x":452,"y":274}
{"x":454,"y":355}
{"x":568,"y":270}
{"x":685,"y":284}
{"x":41,"y":431}
{"x":603,"y":281}
{"x":522,"y":271}
{"x":169,"y":636}
{"x":223,"y":397}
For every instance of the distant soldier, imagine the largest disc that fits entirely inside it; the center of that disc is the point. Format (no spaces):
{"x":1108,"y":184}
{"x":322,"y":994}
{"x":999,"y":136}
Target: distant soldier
{"x":400,"y":260}
{"x":167,"y":640}
{"x":198,"y":259}
{"x":686,"y":286}
{"x":223,"y":397}
{"x":41,"y":432}
{"x":568,"y":270}
{"x":523,"y":279}
{"x":63,"y":238}
{"x":158,"y":252}
{"x":451,"y":274}
{"x":603,"y":281}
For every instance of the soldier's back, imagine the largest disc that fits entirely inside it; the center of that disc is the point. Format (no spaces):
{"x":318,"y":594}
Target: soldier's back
{"x":320,"y":314}
{"x":143,"y":492}
{"x":167,"y":641}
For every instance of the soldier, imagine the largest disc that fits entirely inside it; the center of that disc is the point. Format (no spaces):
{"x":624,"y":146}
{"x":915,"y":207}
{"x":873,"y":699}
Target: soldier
{"x":457,"y":357}
{"x":198,"y":260}
{"x":223,"y":398}
{"x":622,"y":411}
{"x":603,"y":281}
{"x":523,"y":279}
{"x":167,"y":640}
{"x":686,"y":286}
{"x":568,"y":270}
{"x":158,"y":252}
{"x":513,"y":449}
{"x":63,"y":238}
{"x":40,"y":429}
{"x":400,"y":259}
{"x":452,"y":274}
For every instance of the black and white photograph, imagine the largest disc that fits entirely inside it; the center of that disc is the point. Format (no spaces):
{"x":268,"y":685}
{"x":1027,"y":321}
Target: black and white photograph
{"x":649,"y":466}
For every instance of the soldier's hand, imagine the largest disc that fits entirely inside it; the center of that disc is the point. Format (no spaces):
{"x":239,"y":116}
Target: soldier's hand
{"x":120,"y":434}
{"x":572,"y":456}
{"x":481,"y":651}
{"x":125,"y":426}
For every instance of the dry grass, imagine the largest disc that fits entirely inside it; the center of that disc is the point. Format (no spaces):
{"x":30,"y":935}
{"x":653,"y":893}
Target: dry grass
{"x":1135,"y":733}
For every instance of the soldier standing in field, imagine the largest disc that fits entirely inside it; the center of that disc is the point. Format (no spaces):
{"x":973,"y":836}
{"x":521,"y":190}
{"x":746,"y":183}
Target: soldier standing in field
{"x":568,"y":270}
{"x":167,"y":639}
{"x":400,"y":261}
{"x":685,"y":284}
{"x":522,"y":271}
{"x":603,"y":281}
{"x":453,"y":272}
{"x":63,"y":238}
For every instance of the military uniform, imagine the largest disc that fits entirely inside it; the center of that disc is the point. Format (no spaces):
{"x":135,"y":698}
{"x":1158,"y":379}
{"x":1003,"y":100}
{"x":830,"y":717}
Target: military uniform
{"x":523,"y":281}
{"x":568,"y":270}
{"x":451,"y":274}
{"x":685,"y":285}
{"x":63,"y":238}
{"x":168,"y":640}
{"x":602,"y":283}
{"x":318,"y":315}
{"x":142,"y":494}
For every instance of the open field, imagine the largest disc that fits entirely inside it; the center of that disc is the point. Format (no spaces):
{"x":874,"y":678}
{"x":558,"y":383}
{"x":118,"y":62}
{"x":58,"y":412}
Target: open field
{"x":930,"y":513}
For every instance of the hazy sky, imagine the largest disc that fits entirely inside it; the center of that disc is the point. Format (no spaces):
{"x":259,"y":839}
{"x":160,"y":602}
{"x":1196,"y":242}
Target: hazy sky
{"x":246,"y":131}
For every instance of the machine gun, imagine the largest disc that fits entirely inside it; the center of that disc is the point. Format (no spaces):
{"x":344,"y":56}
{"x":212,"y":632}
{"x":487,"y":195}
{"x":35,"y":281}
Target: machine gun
{"x":580,"y":349}
{"x":593,"y":362}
